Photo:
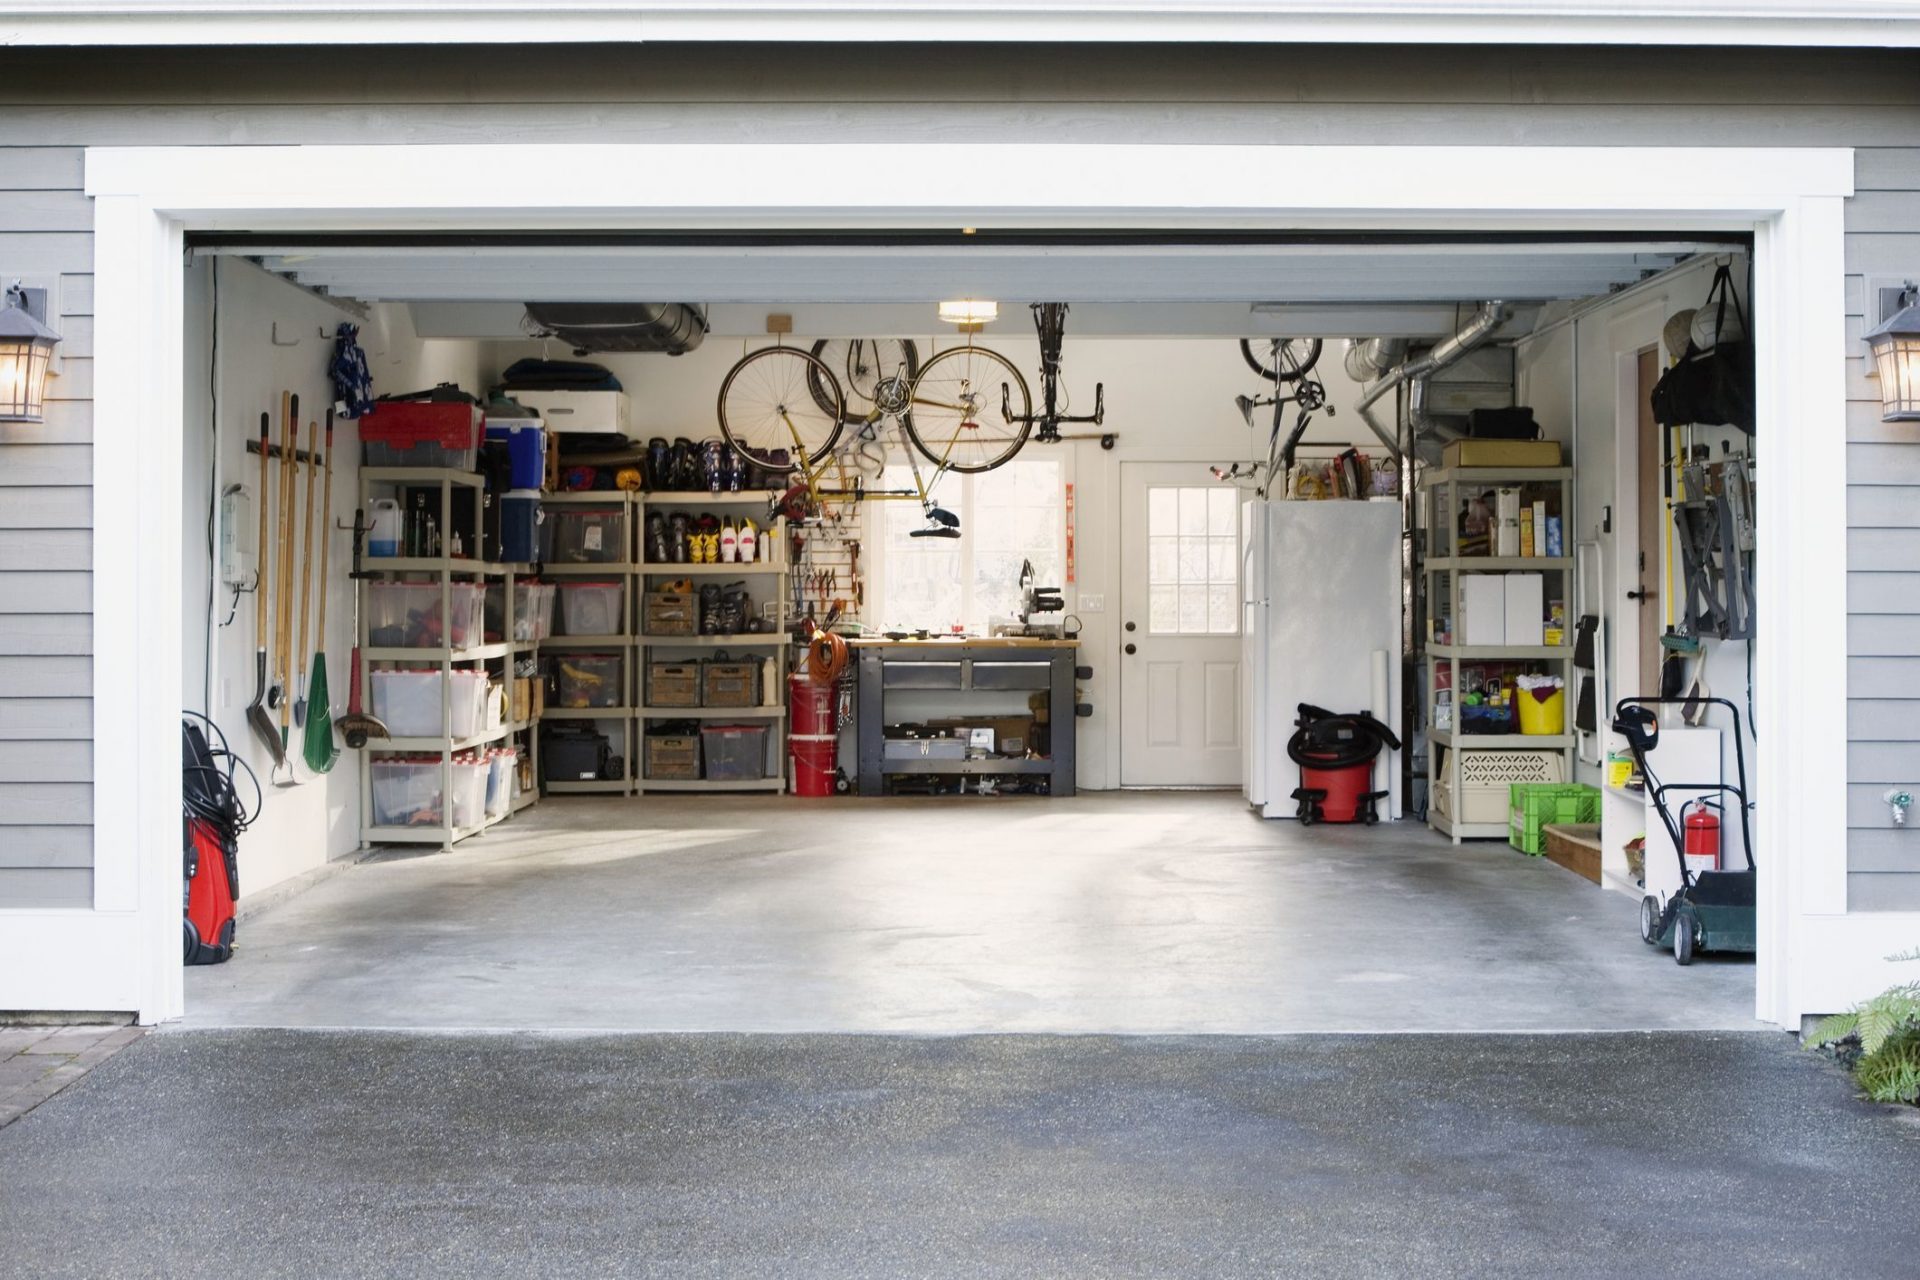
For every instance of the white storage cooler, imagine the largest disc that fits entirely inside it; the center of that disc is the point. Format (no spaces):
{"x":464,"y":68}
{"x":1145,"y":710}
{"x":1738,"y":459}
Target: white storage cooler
{"x":580,"y":412}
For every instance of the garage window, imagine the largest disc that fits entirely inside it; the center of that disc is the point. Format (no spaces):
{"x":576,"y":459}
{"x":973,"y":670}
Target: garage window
{"x":1193,"y":560}
{"x":1010,"y":514}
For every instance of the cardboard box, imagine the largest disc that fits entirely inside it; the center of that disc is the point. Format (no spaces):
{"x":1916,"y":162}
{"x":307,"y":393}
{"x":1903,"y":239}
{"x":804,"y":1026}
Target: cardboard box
{"x":1526,"y":609}
{"x":1501,"y":453}
{"x":1012,"y":735}
{"x":1483,"y":610}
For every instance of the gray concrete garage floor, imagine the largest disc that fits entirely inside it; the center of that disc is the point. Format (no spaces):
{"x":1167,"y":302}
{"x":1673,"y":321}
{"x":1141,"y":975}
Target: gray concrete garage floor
{"x":301,"y":1154}
{"x":1129,"y":912}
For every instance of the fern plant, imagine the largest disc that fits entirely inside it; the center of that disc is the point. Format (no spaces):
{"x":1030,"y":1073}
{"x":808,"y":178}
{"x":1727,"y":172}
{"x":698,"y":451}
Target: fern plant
{"x":1880,"y":1040}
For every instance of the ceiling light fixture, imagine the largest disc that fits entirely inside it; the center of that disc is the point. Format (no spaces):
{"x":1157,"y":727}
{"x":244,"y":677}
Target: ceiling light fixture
{"x":969,"y":311}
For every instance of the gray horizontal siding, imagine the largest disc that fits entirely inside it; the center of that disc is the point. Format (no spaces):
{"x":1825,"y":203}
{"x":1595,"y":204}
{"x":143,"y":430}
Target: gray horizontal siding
{"x":46,"y":554}
{"x":1883,"y":555}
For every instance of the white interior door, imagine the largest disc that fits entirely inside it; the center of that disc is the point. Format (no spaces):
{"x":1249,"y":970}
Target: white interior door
{"x":1180,"y":704}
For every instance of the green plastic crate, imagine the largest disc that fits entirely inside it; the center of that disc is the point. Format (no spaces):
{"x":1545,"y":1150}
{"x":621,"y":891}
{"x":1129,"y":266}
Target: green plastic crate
{"x":1533,"y":806}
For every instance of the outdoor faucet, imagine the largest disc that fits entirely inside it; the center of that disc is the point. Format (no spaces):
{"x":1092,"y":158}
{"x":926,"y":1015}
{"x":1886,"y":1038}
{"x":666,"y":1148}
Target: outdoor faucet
{"x":1899,"y":800}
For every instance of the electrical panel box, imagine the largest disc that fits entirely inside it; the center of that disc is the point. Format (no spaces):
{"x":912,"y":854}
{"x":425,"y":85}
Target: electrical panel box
{"x":238,"y":555}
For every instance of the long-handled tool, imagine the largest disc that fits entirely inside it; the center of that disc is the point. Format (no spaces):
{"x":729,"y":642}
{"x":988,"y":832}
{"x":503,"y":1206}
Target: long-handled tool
{"x":257,"y":716}
{"x":306,"y":574}
{"x":283,"y":607}
{"x":321,"y":751}
{"x":357,"y":726}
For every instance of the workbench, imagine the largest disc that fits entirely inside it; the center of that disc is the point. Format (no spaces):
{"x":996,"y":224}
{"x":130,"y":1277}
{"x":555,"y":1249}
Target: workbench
{"x":964,"y":667}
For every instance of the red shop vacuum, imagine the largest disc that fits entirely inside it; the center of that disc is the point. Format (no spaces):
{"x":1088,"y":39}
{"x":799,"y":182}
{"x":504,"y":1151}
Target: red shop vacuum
{"x":1336,"y":754}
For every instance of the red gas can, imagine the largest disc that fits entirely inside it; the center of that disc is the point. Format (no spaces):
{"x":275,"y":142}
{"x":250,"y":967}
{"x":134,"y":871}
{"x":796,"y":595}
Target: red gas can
{"x":1701,"y":831}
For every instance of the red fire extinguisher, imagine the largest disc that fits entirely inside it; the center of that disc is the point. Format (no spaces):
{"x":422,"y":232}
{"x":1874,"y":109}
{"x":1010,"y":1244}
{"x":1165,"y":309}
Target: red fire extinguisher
{"x":1702,"y":835}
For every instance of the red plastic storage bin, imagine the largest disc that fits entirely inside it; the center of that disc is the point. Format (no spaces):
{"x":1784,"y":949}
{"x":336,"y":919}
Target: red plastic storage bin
{"x":421,"y":433}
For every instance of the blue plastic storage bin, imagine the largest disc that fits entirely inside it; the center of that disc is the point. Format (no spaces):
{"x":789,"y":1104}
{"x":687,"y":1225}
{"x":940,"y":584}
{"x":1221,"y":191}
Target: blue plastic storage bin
{"x":520,"y":526}
{"x":526,"y":452}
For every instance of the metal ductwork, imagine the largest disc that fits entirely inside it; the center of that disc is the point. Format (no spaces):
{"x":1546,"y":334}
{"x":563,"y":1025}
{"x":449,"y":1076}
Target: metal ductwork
{"x":1448,"y":351}
{"x":1368,"y":358}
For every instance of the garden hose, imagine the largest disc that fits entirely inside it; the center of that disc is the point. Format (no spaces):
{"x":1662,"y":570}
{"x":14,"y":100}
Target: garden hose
{"x":826,"y":657}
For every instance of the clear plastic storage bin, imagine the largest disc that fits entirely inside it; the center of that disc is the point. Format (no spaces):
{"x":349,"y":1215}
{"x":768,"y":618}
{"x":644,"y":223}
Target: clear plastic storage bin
{"x":502,"y":767}
{"x":408,"y":702}
{"x":585,"y":535}
{"x":408,"y":793}
{"x":406,"y":615}
{"x":588,"y":679}
{"x":593,"y":608}
{"x":734,"y":752}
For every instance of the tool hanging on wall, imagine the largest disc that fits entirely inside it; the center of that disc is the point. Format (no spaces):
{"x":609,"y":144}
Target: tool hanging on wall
{"x":257,"y":717}
{"x":356,"y":727}
{"x":1715,"y":540}
{"x":306,"y":578}
{"x":321,"y":750}
{"x":282,"y":697}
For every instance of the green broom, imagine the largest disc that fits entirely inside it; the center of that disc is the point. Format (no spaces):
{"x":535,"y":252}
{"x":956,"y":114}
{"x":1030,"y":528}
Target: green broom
{"x":321,"y":751}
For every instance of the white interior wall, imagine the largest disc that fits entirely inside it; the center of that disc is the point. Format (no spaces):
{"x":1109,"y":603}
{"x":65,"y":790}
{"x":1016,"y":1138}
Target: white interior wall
{"x":1576,"y":377}
{"x":303,"y":826}
{"x":1167,"y":400}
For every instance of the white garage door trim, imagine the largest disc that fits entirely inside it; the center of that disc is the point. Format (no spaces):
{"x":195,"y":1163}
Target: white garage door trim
{"x":147,"y":198}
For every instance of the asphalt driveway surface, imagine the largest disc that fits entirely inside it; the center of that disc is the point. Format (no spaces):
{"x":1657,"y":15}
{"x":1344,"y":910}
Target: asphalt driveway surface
{"x":310,"y":1153}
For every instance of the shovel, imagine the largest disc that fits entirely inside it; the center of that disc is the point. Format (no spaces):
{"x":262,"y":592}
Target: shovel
{"x":280,"y":696}
{"x":257,"y":717}
{"x":306,"y":576}
{"x":320,"y":749}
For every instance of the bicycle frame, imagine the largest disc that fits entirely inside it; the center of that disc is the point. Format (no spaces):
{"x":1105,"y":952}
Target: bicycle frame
{"x":1311,"y":396}
{"x":1050,"y":323}
{"x":889,"y":403}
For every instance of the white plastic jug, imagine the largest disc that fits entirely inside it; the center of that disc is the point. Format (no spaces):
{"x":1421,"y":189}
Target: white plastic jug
{"x":383,"y":536}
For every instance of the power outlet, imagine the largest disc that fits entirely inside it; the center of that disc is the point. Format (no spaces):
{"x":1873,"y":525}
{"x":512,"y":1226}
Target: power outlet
{"x":1093,"y":603}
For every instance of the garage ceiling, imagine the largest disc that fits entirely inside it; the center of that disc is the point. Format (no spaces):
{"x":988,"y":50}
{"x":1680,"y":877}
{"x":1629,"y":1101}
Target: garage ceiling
{"x":1340,"y":286}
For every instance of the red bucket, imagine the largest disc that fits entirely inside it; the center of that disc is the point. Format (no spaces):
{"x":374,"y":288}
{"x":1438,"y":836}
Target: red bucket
{"x":814,"y":756}
{"x":810,"y":707}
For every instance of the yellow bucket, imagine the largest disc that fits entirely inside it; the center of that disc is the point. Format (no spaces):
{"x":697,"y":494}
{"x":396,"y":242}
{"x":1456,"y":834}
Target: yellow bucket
{"x":1537,"y":717}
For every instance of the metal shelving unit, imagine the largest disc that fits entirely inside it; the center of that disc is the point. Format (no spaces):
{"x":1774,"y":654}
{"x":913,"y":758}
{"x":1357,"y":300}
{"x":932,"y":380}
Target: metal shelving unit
{"x":770,"y":584}
{"x":1442,"y":569}
{"x":444,"y":571}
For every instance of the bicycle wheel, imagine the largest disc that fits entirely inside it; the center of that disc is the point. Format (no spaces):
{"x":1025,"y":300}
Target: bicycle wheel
{"x":960,"y":402}
{"x":767,"y":410}
{"x":860,"y":364}
{"x":1295,"y":357}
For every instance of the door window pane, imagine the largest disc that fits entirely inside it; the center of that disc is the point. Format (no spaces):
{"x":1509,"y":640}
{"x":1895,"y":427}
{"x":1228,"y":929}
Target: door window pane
{"x":1193,"y":560}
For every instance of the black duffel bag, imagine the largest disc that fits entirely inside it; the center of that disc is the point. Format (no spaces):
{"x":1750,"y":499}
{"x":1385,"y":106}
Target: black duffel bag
{"x":1714,"y":386}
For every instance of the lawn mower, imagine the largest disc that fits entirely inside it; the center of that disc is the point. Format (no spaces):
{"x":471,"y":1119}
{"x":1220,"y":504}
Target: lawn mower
{"x":1712,"y":910}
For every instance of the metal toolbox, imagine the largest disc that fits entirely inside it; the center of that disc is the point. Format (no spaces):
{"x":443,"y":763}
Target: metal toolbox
{"x":926,"y":749}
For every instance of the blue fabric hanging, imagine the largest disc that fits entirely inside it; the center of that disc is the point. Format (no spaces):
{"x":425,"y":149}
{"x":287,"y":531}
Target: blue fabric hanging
{"x":352,"y":382}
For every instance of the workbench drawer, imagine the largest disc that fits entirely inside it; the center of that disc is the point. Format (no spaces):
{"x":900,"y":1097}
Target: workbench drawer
{"x":1012,"y":675}
{"x":920,"y":675}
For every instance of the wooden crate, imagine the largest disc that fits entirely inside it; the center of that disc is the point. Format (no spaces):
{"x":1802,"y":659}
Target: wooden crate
{"x":672,"y":757}
{"x":1575,"y":846}
{"x":670,"y":613}
{"x":673,"y":684}
{"x":726,"y":683}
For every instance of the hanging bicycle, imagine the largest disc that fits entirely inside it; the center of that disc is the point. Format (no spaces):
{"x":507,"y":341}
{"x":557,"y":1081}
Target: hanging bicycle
{"x":783,"y":410}
{"x":1285,"y":362}
{"x":1050,"y":325}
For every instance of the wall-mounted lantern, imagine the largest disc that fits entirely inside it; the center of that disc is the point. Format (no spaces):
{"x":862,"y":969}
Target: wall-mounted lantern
{"x":26,"y":350}
{"x":1895,"y":343}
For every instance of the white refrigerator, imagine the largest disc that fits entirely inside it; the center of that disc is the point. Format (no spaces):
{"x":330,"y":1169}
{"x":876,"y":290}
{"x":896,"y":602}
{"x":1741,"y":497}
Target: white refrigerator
{"x":1322,"y":590}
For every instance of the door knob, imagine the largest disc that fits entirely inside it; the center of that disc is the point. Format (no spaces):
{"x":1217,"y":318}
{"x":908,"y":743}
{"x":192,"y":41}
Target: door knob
{"x":1643,"y":594}
{"x":1132,"y":648}
{"x":1130,"y":626}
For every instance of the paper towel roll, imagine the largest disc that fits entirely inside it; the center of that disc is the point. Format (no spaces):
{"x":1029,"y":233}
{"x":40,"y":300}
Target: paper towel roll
{"x":1383,"y":764}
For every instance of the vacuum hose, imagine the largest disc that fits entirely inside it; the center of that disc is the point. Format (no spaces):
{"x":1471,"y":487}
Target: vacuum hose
{"x":1328,"y":741}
